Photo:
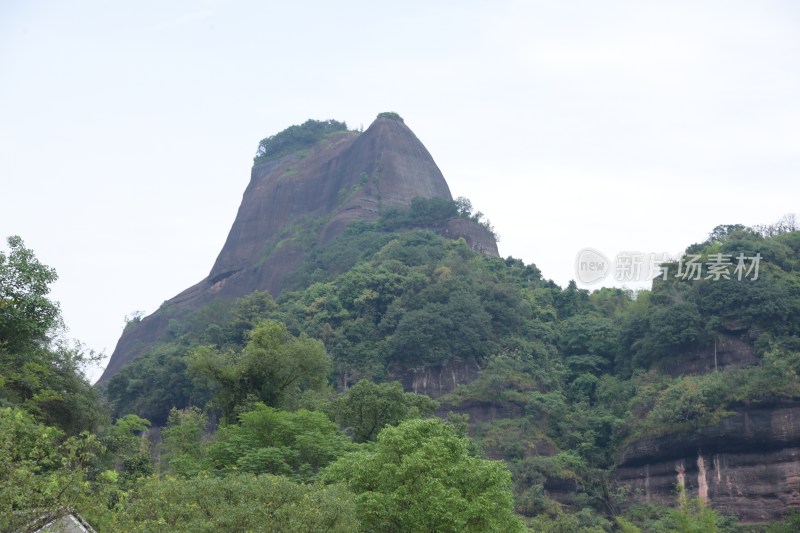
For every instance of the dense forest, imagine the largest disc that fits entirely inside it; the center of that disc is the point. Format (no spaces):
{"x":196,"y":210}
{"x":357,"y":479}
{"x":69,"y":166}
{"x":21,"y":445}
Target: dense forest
{"x":296,"y":413}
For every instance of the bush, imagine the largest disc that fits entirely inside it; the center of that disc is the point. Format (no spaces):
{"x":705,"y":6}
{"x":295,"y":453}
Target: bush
{"x":391,"y":115}
{"x":241,"y":502}
{"x":296,"y":138}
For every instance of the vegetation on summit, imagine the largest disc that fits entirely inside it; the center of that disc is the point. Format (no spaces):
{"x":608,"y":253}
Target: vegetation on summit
{"x":295,"y":138}
{"x":391,"y":115}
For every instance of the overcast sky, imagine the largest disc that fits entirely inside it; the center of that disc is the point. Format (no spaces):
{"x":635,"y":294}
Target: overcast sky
{"x":127,"y":129}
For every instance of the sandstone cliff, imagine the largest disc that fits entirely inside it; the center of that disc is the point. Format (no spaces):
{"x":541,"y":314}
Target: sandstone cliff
{"x":343,"y":178}
{"x":747,"y":465}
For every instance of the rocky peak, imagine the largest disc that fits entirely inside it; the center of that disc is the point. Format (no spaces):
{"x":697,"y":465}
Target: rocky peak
{"x":346,"y":176}
{"x":343,"y":177}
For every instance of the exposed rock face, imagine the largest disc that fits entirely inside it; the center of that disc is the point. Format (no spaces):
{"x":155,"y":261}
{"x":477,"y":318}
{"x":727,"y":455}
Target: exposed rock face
{"x":747,"y":465}
{"x":477,"y":237}
{"x":732,"y":349}
{"x":350,"y":177}
{"x":344,"y":178}
{"x":436,"y":381}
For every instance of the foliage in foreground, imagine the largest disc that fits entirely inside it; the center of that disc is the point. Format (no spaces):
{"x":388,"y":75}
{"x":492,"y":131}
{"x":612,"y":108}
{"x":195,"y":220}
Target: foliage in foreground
{"x":239,"y":502}
{"x":41,"y":470}
{"x":422,"y":476}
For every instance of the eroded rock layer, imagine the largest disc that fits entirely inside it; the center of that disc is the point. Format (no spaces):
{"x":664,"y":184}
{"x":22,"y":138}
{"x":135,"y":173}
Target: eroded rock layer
{"x":747,"y":465}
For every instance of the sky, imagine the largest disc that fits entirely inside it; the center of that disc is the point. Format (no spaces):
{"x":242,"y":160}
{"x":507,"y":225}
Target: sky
{"x":127,"y":129}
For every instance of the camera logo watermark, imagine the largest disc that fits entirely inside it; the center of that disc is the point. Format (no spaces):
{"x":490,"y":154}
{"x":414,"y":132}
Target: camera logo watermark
{"x":592,"y":266}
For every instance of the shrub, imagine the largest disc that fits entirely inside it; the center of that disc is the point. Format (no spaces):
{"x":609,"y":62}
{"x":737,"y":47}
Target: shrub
{"x":296,"y":138}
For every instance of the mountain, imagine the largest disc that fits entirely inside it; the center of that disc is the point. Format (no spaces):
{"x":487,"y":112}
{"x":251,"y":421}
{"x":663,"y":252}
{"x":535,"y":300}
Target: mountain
{"x":355,"y":301}
{"x":302,"y":197}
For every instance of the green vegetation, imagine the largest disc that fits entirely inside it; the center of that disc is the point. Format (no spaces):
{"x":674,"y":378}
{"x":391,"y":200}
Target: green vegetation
{"x":368,"y":407}
{"x":391,"y":115}
{"x":274,"y":367}
{"x":266,"y":440}
{"x":40,"y":371}
{"x":572,"y":376}
{"x":433,"y":213}
{"x":422,"y":476}
{"x":41,"y":470}
{"x":287,"y":414}
{"x":240,"y":502}
{"x":27,"y":316}
{"x":690,"y":516}
{"x":47,"y":409}
{"x":296,"y":138}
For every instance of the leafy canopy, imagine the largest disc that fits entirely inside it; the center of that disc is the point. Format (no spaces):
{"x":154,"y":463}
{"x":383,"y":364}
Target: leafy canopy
{"x":420,"y":476}
{"x":26,"y":313}
{"x":240,"y":502}
{"x":39,"y":370}
{"x":296,"y":138}
{"x":274,"y":367}
{"x":41,"y":471}
{"x":270,"y":441}
{"x":391,"y":115}
{"x":368,"y":407}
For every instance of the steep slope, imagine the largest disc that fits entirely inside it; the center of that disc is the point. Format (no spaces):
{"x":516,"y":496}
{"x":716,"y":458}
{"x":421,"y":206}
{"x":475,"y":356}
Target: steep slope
{"x":349,"y":177}
{"x":302,"y":199}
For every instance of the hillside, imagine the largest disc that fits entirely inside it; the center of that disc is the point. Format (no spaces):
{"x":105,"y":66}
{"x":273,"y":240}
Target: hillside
{"x":360,"y":358}
{"x":595,"y":401}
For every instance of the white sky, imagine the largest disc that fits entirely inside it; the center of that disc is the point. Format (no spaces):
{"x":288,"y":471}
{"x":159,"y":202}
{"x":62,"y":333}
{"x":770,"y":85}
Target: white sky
{"x":127,"y":129}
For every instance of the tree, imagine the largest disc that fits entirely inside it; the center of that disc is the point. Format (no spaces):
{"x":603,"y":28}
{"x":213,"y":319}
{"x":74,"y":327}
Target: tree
{"x":589,"y":342}
{"x":391,"y":115}
{"x":694,"y":516}
{"x":128,"y":449}
{"x":41,"y":471}
{"x":422,"y":213}
{"x":42,"y":375}
{"x":368,"y":407}
{"x":27,"y":315}
{"x":274,"y":367}
{"x":184,"y":448}
{"x":790,"y":524}
{"x":124,"y":436}
{"x":296,"y":138}
{"x":240,"y":502}
{"x":420,"y":476}
{"x":672,"y":328}
{"x":154,"y":383}
{"x":271,"y":441}
{"x":439,"y":332}
{"x":245,"y":313}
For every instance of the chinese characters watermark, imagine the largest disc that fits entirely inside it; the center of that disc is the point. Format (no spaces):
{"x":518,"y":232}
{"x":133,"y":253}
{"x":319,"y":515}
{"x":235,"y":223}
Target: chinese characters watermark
{"x":592,"y":266}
